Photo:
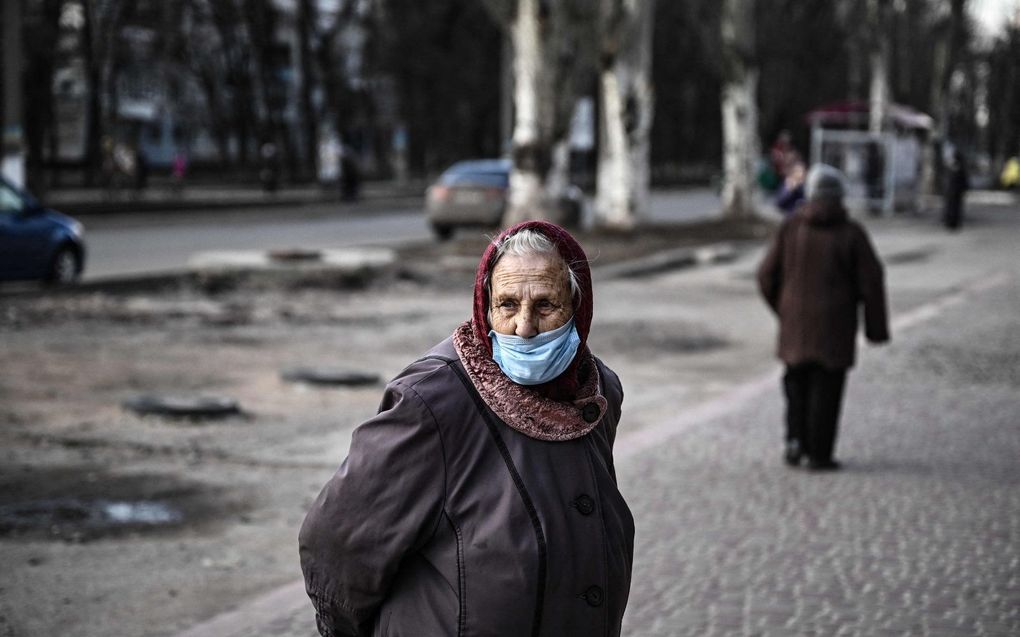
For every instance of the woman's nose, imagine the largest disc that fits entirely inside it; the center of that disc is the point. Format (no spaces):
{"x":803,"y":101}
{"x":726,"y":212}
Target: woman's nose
{"x":527,"y":324}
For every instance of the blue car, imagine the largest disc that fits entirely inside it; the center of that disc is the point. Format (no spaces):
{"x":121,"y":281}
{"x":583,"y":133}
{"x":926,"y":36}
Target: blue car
{"x":37,"y":243}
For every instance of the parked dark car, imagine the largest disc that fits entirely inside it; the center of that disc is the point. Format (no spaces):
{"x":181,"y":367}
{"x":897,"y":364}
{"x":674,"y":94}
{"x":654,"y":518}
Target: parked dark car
{"x":474,"y":193}
{"x":37,"y":243}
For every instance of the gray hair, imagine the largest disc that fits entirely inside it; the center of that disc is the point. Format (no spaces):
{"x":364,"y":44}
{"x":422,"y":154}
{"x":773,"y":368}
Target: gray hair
{"x":527,"y":242}
{"x":825,"y":182}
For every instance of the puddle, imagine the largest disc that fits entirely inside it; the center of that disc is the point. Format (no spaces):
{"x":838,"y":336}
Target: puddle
{"x":79,"y":505}
{"x":85,"y":515}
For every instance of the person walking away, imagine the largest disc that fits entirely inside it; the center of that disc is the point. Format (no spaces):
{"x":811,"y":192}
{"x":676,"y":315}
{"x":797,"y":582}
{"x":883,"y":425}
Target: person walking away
{"x":957,"y":184}
{"x":819,"y":269}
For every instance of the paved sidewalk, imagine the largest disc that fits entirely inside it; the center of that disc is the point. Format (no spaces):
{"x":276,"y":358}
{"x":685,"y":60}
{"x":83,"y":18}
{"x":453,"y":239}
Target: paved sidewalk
{"x":918,"y":535}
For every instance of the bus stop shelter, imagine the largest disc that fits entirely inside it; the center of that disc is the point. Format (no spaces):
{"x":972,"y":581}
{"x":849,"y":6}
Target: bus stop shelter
{"x":883,"y":169}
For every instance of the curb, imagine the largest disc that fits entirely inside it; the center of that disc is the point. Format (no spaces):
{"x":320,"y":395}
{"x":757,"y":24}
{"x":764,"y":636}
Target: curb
{"x":100,"y":209}
{"x":674,"y":259}
{"x":656,"y":263}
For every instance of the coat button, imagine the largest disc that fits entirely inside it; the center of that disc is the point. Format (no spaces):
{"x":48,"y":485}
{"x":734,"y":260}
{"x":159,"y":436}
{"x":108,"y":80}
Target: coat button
{"x":591,"y":412}
{"x":584,"y":504}
{"x":593,"y":596}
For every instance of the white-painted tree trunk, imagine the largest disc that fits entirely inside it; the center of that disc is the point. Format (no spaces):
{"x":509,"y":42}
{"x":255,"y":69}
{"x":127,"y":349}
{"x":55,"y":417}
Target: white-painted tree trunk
{"x":741,"y":147}
{"x":533,"y":188}
{"x":625,"y":118}
{"x":878,"y":95}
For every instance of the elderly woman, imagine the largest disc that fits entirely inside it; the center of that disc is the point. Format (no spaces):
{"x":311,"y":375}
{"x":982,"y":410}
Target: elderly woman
{"x":482,"y":498}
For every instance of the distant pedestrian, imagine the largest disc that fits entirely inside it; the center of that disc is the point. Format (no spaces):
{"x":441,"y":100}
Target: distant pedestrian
{"x":269,"y":171}
{"x":782,"y":154}
{"x":956,"y":187}
{"x":179,"y":170}
{"x":482,"y":498}
{"x":1010,"y":177}
{"x":791,"y":192}
{"x":874,"y":177}
{"x":141,"y":168}
{"x":818,"y":270}
{"x":350,"y":174}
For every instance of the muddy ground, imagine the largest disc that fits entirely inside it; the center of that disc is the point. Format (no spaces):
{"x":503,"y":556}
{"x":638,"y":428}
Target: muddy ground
{"x":115,"y":523}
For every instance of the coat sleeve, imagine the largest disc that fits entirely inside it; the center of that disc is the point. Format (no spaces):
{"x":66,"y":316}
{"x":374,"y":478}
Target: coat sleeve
{"x":384,"y":502}
{"x":770,"y":272}
{"x":871,"y":289}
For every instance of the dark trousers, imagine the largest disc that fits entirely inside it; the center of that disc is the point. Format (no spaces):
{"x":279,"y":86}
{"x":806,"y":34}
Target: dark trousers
{"x":813,"y":398}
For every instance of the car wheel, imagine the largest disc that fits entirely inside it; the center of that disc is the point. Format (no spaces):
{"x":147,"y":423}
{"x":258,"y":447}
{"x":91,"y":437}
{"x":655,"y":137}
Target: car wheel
{"x":64,"y":267}
{"x":442,"y":232}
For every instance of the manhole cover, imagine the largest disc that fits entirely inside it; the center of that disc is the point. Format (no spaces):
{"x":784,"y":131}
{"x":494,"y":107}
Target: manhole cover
{"x":910,"y":256}
{"x":295,"y":254}
{"x":328,"y":376}
{"x":181,"y":406}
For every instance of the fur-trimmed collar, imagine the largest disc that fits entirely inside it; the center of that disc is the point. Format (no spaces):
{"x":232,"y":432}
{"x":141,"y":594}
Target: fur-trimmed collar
{"x":524,"y":409}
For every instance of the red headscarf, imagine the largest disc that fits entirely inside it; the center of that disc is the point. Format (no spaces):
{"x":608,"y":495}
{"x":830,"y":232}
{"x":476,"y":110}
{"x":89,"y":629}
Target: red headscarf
{"x":572,"y":253}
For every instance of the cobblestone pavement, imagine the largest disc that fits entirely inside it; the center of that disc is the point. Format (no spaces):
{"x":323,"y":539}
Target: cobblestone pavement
{"x":918,"y":535}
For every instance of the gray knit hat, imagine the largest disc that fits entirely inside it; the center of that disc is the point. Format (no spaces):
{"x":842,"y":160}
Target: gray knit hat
{"x":825,"y":182}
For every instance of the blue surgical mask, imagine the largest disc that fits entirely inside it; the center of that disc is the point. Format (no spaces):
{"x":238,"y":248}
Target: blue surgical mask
{"x":535,"y":360}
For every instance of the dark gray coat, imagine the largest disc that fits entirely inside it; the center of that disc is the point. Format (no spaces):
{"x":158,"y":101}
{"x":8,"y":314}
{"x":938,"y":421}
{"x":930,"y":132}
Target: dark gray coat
{"x":443,"y":520}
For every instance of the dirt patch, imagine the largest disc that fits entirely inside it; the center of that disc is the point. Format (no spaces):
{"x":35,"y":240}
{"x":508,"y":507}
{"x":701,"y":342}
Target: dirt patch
{"x":649,"y":338}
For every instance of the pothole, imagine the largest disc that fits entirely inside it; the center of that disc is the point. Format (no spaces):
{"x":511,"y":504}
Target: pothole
{"x":78,"y":505}
{"x":183,"y":406}
{"x":917,"y":255}
{"x":328,"y":376}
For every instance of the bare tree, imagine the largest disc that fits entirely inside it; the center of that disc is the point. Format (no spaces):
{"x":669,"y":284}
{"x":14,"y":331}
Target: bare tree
{"x":626,"y":114}
{"x":42,"y":26}
{"x":739,"y":107}
{"x":549,"y":43}
{"x":102,"y":21}
{"x":306,"y":20}
{"x":878,"y":56}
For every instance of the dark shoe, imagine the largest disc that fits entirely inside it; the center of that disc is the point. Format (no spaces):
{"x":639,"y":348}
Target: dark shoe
{"x":793,"y":453}
{"x":824,"y":465}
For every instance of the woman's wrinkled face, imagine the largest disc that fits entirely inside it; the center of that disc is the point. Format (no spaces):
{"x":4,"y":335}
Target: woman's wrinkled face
{"x":529,"y":295}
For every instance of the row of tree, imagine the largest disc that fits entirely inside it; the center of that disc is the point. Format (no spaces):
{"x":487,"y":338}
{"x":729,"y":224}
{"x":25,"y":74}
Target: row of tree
{"x":678,"y":85}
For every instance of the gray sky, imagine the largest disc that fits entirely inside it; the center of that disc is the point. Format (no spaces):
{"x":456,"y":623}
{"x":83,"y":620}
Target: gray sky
{"x":992,"y":14}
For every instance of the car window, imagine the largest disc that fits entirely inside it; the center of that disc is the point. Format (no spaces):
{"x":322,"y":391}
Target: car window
{"x":482,"y":179}
{"x":10,"y":200}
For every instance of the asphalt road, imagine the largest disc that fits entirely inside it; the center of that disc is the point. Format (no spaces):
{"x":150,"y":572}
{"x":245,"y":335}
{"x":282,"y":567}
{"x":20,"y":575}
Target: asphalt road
{"x":157,"y":243}
{"x":128,"y":244}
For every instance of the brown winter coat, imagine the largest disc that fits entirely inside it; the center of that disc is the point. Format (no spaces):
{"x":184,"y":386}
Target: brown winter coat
{"x":819,"y":269}
{"x":444,"y":520}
